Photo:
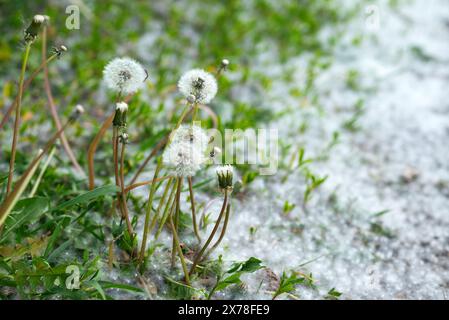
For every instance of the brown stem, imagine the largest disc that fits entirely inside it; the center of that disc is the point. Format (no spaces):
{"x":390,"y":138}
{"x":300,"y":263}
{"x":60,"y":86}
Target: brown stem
{"x":15,"y":137}
{"x":51,"y":103}
{"x":217,"y":223}
{"x":123,"y":204}
{"x":223,"y":231}
{"x":144,"y":183}
{"x":93,"y":147}
{"x":192,"y":202}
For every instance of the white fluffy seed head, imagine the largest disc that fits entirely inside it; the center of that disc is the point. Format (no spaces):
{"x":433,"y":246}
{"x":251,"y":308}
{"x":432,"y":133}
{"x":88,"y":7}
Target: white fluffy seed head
{"x":183,"y":159}
{"x":124,"y":75}
{"x":193,"y":135}
{"x":38,"y":18}
{"x":121,"y":106}
{"x":199,"y":83}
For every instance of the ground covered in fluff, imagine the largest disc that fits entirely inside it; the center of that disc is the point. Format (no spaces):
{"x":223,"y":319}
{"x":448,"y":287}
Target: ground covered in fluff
{"x":358,"y":208}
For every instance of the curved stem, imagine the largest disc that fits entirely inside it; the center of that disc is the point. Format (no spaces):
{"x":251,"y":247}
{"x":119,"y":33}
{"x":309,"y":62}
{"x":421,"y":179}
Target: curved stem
{"x":93,"y":147}
{"x":192,"y":202}
{"x":144,"y":183}
{"x":223,"y":231}
{"x":15,"y":137}
{"x":51,"y":103}
{"x":217,"y":223}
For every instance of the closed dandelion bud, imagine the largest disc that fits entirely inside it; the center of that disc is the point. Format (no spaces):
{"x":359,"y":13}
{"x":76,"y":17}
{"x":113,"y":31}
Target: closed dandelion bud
{"x":79,"y":110}
{"x":33,"y":29}
{"x":224,"y":63}
{"x":225,"y":174}
{"x":199,"y":84}
{"x":120,"y":114}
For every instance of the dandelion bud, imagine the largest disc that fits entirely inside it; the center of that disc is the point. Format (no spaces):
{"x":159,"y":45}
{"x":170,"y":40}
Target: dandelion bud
{"x":33,"y":29}
{"x":124,"y":138}
{"x":79,"y":110}
{"x":225,"y":174}
{"x":224,"y":63}
{"x":120,"y":114}
{"x":199,"y":84}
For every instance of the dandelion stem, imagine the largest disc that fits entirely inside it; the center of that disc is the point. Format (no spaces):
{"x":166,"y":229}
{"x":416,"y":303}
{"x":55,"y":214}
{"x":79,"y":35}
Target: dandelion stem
{"x":13,"y":197}
{"x":93,"y":147}
{"x":179,"y":249}
{"x":42,"y":172}
{"x":223,"y":231}
{"x":123,"y":204}
{"x":144,"y":183}
{"x":176,"y":221}
{"x":158,"y":147}
{"x":192,"y":202}
{"x":167,"y":210}
{"x":148,"y":212}
{"x":217,"y":223}
{"x":17,"y":118}
{"x":25,"y":86}
{"x":161,"y":203}
{"x":51,"y":103}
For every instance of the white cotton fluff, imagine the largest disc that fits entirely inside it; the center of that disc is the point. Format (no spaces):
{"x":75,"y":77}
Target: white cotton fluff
{"x":192,"y":134}
{"x":183,"y":158}
{"x":121,"y":106}
{"x":124,"y":75}
{"x":199,"y":83}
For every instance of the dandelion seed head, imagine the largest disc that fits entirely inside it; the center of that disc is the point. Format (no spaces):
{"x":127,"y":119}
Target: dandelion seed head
{"x":124,"y":75}
{"x":193,"y":135}
{"x":199,"y":83}
{"x":183,"y":159}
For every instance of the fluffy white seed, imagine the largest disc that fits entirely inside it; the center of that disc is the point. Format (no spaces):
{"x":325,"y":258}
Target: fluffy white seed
{"x":121,"y":106}
{"x":193,"y":135}
{"x":124,"y":75}
{"x":183,"y":159}
{"x":199,"y":83}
